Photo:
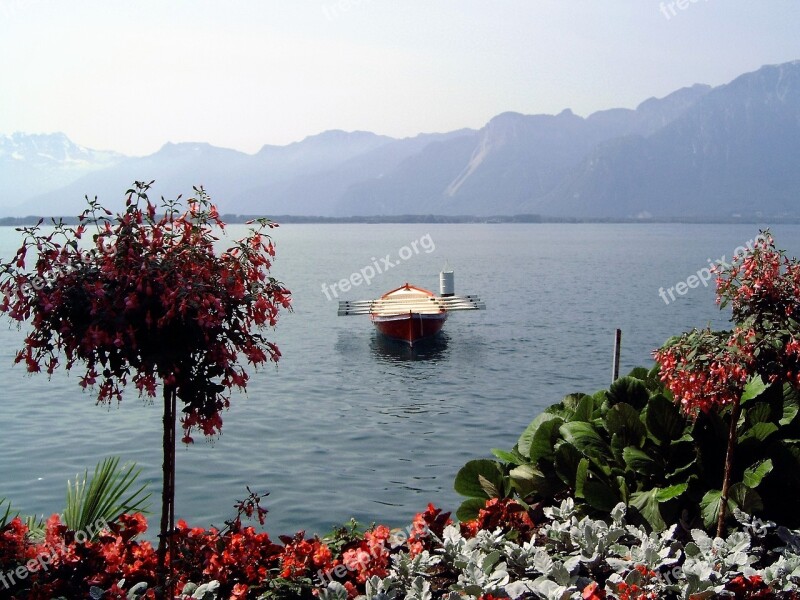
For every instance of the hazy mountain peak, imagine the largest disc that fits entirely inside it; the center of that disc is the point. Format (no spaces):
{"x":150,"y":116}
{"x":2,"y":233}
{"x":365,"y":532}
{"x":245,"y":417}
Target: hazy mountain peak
{"x":683,"y":97}
{"x":187,"y":149}
{"x":697,"y":151}
{"x":53,"y":148}
{"x":340,"y":135}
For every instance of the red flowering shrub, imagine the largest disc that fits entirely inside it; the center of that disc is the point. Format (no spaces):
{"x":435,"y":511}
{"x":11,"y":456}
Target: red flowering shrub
{"x":749,"y":587}
{"x":147,"y":299}
{"x":426,"y":527}
{"x":631,"y":591}
{"x":232,"y":557}
{"x":304,"y":558}
{"x":716,"y":373}
{"x":503,"y":513}
{"x":65,"y":565}
{"x":707,"y":370}
{"x":370,"y":557}
{"x":14,"y":549}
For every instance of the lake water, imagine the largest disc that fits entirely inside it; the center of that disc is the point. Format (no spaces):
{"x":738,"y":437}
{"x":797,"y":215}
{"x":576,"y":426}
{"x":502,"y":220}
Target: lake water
{"x":349,"y":426}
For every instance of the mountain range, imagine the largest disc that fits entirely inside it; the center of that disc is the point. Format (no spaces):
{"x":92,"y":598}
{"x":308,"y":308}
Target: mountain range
{"x":701,"y":152}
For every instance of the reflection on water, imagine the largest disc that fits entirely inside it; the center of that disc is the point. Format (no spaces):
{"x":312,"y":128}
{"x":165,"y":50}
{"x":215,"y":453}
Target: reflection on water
{"x":350,"y":425}
{"x":388,"y":349}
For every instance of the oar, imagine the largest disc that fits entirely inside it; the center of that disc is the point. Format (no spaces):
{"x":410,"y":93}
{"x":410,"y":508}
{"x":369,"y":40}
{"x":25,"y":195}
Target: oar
{"x":346,"y":309}
{"x":420,"y":301}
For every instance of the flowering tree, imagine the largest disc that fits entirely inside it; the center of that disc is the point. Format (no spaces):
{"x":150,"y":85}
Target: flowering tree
{"x":713,"y":371}
{"x":148,"y":299}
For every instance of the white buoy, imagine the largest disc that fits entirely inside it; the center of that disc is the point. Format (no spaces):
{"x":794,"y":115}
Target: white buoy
{"x":447,"y":286}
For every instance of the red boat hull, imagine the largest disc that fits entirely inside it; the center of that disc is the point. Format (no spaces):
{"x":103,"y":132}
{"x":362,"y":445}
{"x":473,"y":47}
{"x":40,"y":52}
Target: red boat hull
{"x":411,"y":327}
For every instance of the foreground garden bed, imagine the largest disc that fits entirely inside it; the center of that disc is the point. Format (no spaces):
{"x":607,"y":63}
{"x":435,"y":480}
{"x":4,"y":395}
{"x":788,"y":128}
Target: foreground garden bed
{"x":503,"y":553}
{"x":676,"y":482}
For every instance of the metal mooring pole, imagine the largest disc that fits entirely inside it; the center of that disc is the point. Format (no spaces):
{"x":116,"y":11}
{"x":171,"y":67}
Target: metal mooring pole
{"x":615,"y":366}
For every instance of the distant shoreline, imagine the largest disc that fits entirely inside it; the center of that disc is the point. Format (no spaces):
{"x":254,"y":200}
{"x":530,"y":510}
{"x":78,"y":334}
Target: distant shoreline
{"x":443,"y":219}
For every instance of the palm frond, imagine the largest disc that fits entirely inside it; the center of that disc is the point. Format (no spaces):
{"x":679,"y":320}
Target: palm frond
{"x":7,"y":514}
{"x":103,"y":499}
{"x":34,"y":524}
{"x":36,"y":527}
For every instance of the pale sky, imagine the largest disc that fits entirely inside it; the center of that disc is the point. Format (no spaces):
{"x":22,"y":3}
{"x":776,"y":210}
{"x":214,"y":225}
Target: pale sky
{"x":132,"y":75}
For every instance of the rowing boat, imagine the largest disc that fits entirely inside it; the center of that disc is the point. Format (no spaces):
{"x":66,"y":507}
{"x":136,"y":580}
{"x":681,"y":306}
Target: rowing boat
{"x":410,"y":313}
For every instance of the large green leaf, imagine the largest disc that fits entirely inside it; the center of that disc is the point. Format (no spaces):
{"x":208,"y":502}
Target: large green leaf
{"x":791,"y":404}
{"x":760,"y":412}
{"x":640,"y":462}
{"x":584,"y":409}
{"x":508,"y":457}
{"x":599,"y":494}
{"x":580,"y":477}
{"x":745,"y":498}
{"x":585,"y":438}
{"x":754,"y":387}
{"x":618,"y":444}
{"x":493,"y":489}
{"x":674,"y":491}
{"x":526,"y":439}
{"x":759,"y":432}
{"x":682,"y":459}
{"x":572,"y":403}
{"x":639,"y":373}
{"x":473,"y":477}
{"x":623,"y":420}
{"x":544,"y":440}
{"x":566,"y":462}
{"x":528,"y":480}
{"x":710,"y":507}
{"x":664,"y":419}
{"x":630,"y":390}
{"x":648,"y":506}
{"x":623,"y":489}
{"x":739,"y":495}
{"x":756,"y":473}
{"x":648,"y":503}
{"x":469,"y":509}
{"x":566,"y":408}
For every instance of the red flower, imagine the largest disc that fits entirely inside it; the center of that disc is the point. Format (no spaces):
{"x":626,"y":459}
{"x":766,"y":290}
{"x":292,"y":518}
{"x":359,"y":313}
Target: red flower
{"x":305,"y":557}
{"x":370,"y":557}
{"x":749,"y":587}
{"x":503,"y":513}
{"x":633,"y":592}
{"x":593,"y":592}
{"x":432,"y":521}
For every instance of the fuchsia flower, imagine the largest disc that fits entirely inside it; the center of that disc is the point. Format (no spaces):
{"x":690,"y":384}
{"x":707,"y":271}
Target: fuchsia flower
{"x":707,"y":370}
{"x":149,"y":300}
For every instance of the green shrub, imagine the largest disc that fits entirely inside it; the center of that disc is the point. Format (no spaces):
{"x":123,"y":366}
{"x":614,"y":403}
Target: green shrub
{"x":632,"y":444}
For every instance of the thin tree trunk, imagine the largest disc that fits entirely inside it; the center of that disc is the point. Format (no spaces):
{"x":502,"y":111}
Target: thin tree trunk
{"x":726,"y":480}
{"x":164,"y":574}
